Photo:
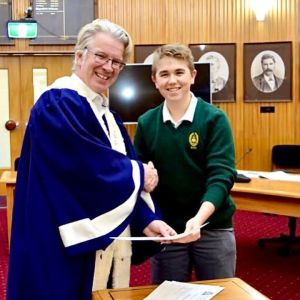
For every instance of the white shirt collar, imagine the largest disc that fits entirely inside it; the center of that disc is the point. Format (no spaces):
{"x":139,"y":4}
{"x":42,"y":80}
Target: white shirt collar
{"x":188,"y":116}
{"x":268,"y":78}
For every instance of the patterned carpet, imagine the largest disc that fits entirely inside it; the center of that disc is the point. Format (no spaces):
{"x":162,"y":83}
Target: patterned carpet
{"x":3,"y":248}
{"x":275,"y":276}
{"x":2,"y":202}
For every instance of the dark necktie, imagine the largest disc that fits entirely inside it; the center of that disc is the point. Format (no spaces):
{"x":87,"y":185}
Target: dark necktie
{"x":105,"y":122}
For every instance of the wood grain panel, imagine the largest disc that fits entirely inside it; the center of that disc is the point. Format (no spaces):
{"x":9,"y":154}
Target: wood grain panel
{"x":62,"y":68}
{"x":214,"y":21}
{"x":13,"y":67}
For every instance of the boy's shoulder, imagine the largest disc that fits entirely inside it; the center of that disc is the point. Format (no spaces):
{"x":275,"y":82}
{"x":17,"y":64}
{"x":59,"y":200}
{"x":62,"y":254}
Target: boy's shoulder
{"x":208,"y":107}
{"x":151,"y":113}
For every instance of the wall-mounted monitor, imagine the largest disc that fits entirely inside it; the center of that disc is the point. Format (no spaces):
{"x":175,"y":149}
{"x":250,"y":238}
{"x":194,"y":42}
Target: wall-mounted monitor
{"x":134,"y":92}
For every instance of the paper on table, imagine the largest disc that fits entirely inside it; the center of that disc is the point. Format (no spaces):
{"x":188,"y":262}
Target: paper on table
{"x":174,"y":290}
{"x":275,"y":175}
{"x":280,"y":175}
{"x":153,"y":238}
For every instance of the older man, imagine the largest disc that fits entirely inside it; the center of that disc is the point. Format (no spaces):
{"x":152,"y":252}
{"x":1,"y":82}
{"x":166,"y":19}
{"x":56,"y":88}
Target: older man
{"x":79,"y":182}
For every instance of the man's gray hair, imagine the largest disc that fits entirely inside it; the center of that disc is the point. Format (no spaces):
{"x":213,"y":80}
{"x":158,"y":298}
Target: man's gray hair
{"x":88,"y":31}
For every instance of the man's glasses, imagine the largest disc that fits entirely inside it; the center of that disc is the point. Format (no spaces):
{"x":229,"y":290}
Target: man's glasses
{"x":102,"y":58}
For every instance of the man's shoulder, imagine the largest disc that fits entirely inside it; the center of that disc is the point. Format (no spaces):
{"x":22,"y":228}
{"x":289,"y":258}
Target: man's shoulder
{"x":57,"y":98}
{"x":62,"y":82}
{"x":259,"y":77}
{"x":207,"y":113}
{"x":278,"y":79}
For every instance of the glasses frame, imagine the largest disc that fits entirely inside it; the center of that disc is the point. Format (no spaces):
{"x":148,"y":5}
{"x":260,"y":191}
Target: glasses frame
{"x":115,"y":64}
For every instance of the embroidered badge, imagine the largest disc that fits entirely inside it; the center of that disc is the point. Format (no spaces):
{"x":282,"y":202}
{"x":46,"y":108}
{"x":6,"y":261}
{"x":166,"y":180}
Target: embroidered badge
{"x":194,"y":140}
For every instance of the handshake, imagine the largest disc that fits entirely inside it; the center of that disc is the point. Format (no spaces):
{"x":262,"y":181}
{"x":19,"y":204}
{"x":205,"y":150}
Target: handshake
{"x":151,"y":177}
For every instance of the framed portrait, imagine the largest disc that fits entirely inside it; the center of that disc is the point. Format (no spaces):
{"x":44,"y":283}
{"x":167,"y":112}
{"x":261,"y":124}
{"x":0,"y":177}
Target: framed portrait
{"x":143,"y":53}
{"x":268,"y":72}
{"x":222,"y":65}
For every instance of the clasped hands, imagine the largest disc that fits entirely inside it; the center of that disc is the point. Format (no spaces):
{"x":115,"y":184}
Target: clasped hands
{"x":151,"y":177}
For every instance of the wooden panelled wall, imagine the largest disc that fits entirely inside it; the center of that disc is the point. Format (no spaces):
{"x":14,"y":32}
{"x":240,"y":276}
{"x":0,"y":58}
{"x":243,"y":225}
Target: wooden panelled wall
{"x":214,"y":21}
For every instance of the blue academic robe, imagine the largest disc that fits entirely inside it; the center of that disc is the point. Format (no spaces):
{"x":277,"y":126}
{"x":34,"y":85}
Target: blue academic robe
{"x":69,"y":179}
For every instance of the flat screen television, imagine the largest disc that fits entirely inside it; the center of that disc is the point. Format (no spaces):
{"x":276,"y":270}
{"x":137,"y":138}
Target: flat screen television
{"x":134,"y":92}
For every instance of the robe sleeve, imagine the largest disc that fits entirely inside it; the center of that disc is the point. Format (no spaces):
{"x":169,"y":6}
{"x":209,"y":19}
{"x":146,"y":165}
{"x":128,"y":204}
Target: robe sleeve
{"x":70,"y":173}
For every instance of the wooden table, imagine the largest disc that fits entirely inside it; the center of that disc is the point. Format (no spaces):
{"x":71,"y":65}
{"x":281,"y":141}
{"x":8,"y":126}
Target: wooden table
{"x":268,"y":196}
{"x":234,"y":289}
{"x":259,"y":195}
{"x":9,"y":178}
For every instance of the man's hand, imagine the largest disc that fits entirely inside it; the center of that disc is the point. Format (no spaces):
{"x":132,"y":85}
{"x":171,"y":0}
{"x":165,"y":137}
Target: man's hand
{"x":159,"y":228}
{"x":151,"y":177}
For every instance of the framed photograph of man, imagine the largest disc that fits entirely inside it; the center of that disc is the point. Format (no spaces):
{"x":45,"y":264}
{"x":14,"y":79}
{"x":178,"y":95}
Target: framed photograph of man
{"x":143,"y":53}
{"x":222,"y":61}
{"x":268,"y":72}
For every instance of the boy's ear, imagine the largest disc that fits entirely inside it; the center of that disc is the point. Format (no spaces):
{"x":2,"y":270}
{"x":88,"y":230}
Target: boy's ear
{"x":194,"y":73}
{"x":153,"y":79}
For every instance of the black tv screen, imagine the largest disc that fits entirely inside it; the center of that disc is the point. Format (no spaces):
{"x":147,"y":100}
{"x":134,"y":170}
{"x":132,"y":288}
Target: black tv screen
{"x":134,"y":91}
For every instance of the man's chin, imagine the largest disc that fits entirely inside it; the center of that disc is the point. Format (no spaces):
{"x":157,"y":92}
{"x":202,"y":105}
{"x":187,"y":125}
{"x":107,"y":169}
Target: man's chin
{"x":100,"y":88}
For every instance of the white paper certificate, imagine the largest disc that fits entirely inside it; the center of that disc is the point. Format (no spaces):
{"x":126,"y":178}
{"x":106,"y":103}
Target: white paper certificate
{"x":174,"y":290}
{"x":153,"y":238}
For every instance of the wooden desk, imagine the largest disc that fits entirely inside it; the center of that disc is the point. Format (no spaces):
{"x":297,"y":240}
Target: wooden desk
{"x":268,"y":196}
{"x":9,"y":178}
{"x":259,"y":195}
{"x":234,"y":288}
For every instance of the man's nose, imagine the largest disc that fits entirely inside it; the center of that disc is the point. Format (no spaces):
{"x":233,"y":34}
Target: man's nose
{"x":108,"y":64}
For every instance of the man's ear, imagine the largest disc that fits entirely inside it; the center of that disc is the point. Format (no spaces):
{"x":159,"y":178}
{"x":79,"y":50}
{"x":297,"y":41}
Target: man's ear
{"x":78,"y":57}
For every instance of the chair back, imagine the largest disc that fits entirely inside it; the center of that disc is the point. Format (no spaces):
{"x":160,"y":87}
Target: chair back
{"x":286,"y":158}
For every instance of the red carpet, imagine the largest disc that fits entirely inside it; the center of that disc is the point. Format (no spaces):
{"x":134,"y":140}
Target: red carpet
{"x":2,"y":202}
{"x":276,"y":277}
{"x":3,"y":253}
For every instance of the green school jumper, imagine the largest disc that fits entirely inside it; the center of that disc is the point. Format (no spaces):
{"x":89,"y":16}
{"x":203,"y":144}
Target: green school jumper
{"x":195,"y":163}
